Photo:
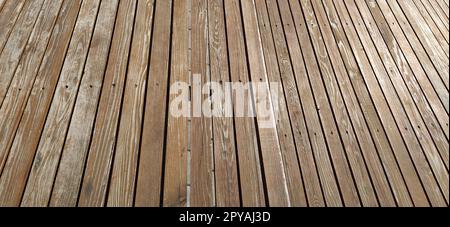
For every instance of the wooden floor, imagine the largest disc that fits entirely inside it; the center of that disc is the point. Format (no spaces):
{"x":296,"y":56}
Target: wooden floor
{"x":85,"y":88}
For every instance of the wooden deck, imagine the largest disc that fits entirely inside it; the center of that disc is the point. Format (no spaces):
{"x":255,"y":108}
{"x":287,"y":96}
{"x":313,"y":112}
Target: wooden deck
{"x":85,"y":89}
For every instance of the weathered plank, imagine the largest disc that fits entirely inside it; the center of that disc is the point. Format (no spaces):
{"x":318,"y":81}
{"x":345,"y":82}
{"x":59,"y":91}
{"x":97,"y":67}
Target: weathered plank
{"x":23,"y":78}
{"x":435,"y":25}
{"x":8,"y":17}
{"x":202,"y":186}
{"x":275,"y":175}
{"x":426,"y":100}
{"x":439,"y":59}
{"x":59,"y":118}
{"x":251,"y":177}
{"x":175,"y":174}
{"x":225,"y":163}
{"x":70,"y":172}
{"x":419,"y":51}
{"x":404,"y":125}
{"x":356,"y":121}
{"x":23,"y":144}
{"x":104,"y":137}
{"x":12,"y":52}
{"x":124,"y":170}
{"x":149,"y":188}
{"x":343,"y":26}
{"x":366,"y":108}
{"x":287,"y":144}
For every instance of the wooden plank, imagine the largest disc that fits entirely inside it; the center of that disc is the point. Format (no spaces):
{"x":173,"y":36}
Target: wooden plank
{"x":442,"y":14}
{"x":439,"y":59}
{"x":404,"y":125}
{"x":251,"y":182}
{"x":434,"y":14}
{"x":418,"y":49}
{"x":202,"y":185}
{"x":287,"y":144}
{"x":443,"y":44}
{"x":437,"y":86}
{"x":428,"y":104}
{"x":225,"y":163}
{"x":331,"y":133}
{"x":435,"y":26}
{"x":386,"y":152}
{"x":344,"y":27}
{"x":14,"y":47}
{"x":324,"y":166}
{"x":124,"y":170}
{"x":8,"y":17}
{"x":148,"y":191}
{"x":23,"y":78}
{"x":355,"y":119}
{"x":305,"y":155}
{"x":278,"y":194}
{"x":175,"y":174}
{"x":45,"y":165}
{"x":24,"y":142}
{"x":419,"y":126}
{"x":443,"y":7}
{"x":103,"y":142}
{"x":70,"y":171}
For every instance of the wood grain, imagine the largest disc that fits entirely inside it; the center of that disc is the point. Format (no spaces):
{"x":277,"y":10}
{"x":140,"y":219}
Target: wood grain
{"x":124,"y":170}
{"x":104,"y":137}
{"x":73,"y":158}
{"x":149,"y":188}
{"x":175,"y":174}
{"x":23,"y":144}
{"x":250,"y":171}
{"x":59,"y":118}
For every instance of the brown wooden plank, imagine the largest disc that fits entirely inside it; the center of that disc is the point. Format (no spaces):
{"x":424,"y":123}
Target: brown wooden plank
{"x":428,"y":104}
{"x":443,"y":14}
{"x":23,"y":145}
{"x":386,"y":152}
{"x":23,"y":78}
{"x":125,"y":163}
{"x":407,"y":130}
{"x":437,"y":55}
{"x":202,"y":188}
{"x":104,"y":137}
{"x":422,"y":21}
{"x":275,"y":175}
{"x":331,"y":131}
{"x":435,"y":26}
{"x":432,"y":150}
{"x":287,"y":144}
{"x":70,"y":172}
{"x":8,"y":17}
{"x":343,"y":28}
{"x":305,"y":155}
{"x":324,"y":166}
{"x":251,"y":181}
{"x":225,"y":163}
{"x":74,"y":87}
{"x":148,"y":191}
{"x":434,"y":14}
{"x":14,"y":47}
{"x":443,"y":7}
{"x":175,"y":177}
{"x":431,"y":72}
{"x":345,"y":107}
